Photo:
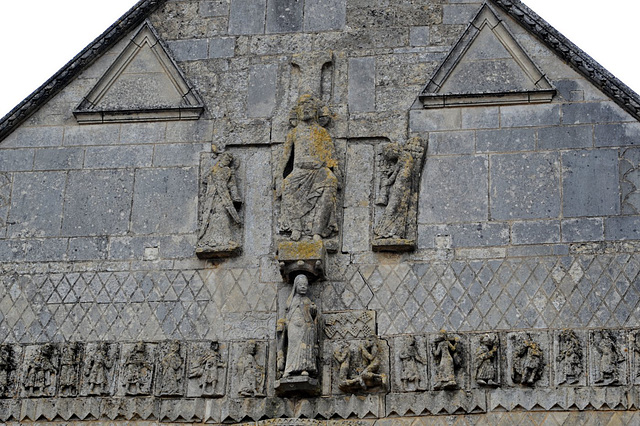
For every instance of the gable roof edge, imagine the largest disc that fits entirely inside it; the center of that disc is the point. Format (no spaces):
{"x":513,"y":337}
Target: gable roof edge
{"x":25,"y":109}
{"x":580,"y":61}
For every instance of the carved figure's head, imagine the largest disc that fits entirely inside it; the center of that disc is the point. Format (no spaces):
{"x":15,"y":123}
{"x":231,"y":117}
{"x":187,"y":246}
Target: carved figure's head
{"x":307,"y":108}
{"x":391,"y":151}
{"x":174,"y":347}
{"x":215,"y":345}
{"x":225,"y":159}
{"x":301,"y":284}
{"x":252,"y":347}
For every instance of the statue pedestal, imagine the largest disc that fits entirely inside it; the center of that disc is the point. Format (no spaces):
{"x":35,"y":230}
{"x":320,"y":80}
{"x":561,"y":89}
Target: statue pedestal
{"x":297,"y":385}
{"x":393,"y":244}
{"x":229,"y":250}
{"x":301,"y":256}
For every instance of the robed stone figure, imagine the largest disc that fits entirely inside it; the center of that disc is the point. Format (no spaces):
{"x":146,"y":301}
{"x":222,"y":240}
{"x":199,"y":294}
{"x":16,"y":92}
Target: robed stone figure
{"x":308,"y":177}
{"x":299,"y":335}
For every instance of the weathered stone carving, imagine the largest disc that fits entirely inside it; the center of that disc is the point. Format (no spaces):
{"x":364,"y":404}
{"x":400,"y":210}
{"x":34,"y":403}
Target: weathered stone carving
{"x":308,"y":177}
{"x":360,"y":366}
{"x":250,"y":371}
{"x":570,"y":358}
{"x":295,"y":257}
{"x":99,"y":368}
{"x":399,"y":184}
{"x":413,"y":362}
{"x":635,"y":351}
{"x":220,"y":221}
{"x":607,"y":358}
{"x":7,"y":370}
{"x":137,"y":370}
{"x":68,"y":381}
{"x":447,"y":354}
{"x":40,"y":371}
{"x":207,"y":370}
{"x":298,"y":340}
{"x":528,"y":360}
{"x":171,"y":370}
{"x":349,"y":324}
{"x":487,"y":371}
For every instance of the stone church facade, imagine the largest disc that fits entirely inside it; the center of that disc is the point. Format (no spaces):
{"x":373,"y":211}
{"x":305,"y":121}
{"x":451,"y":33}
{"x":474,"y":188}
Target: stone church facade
{"x":322,"y":212}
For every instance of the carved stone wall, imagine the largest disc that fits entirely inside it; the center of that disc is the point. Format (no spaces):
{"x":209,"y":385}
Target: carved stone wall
{"x":462,"y":199}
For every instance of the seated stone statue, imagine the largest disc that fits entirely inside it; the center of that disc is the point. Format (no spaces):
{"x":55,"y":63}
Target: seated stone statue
{"x":309,"y":191}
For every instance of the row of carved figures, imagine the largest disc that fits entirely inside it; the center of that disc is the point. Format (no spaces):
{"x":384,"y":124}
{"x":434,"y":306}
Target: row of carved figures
{"x":441,"y":361}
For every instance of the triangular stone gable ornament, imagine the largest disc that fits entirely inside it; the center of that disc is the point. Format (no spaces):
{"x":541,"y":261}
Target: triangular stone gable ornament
{"x":487,"y":66}
{"x":143,"y":84}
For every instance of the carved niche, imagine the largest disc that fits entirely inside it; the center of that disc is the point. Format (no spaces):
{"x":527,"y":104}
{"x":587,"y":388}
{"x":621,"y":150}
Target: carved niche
{"x":411,"y":363}
{"x":307,"y":176}
{"x":9,"y":356}
{"x":70,"y":362}
{"x":608,"y":358}
{"x":448,"y":358}
{"x":399,"y":170}
{"x":360,"y":366}
{"x":527,"y":361}
{"x":570,"y":358}
{"x":136,"y":371}
{"x":170,"y":371}
{"x":207,"y":369}
{"x":98,"y":370}
{"x":298,"y":345}
{"x":487,"y":360}
{"x":219,"y":216}
{"x":40,"y":370}
{"x":249,"y":369}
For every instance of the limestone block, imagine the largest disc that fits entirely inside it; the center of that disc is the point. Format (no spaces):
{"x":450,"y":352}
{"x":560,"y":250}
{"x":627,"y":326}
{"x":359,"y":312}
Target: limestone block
{"x":222,"y":47}
{"x":236,"y":410}
{"x":10,"y":410}
{"x":324,"y":15}
{"x":504,"y":399}
{"x":582,"y":229}
{"x":530,"y":115}
{"x":487,"y":117}
{"x":525,"y":186}
{"x":362,"y":96}
{"x":88,"y":212}
{"x":214,"y":8}
{"x":565,"y":137}
{"x":284,"y":16}
{"x":349,"y":324}
{"x":506,"y":140}
{"x":535,"y":232}
{"x":189,"y":50}
{"x":356,"y":223}
{"x":14,"y":160}
{"x":115,"y":157}
{"x":594,"y":112}
{"x":617,"y":134}
{"x":604,"y":398}
{"x":157,"y":192}
{"x":247,"y":17}
{"x":447,"y":143}
{"x":622,"y":228}
{"x":359,"y":175}
{"x":58,"y":159}
{"x":178,"y":155}
{"x":40,"y":136}
{"x":435,"y":120}
{"x":141,"y":133}
{"x":261,"y":96}
{"x":419,"y":36}
{"x":454,"y":189}
{"x":36,"y":204}
{"x":590,"y":183}
{"x":96,"y":134}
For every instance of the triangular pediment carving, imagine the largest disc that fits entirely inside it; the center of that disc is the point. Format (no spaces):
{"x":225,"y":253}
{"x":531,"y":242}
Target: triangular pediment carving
{"x":144,"y":83}
{"x":487,"y":66}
